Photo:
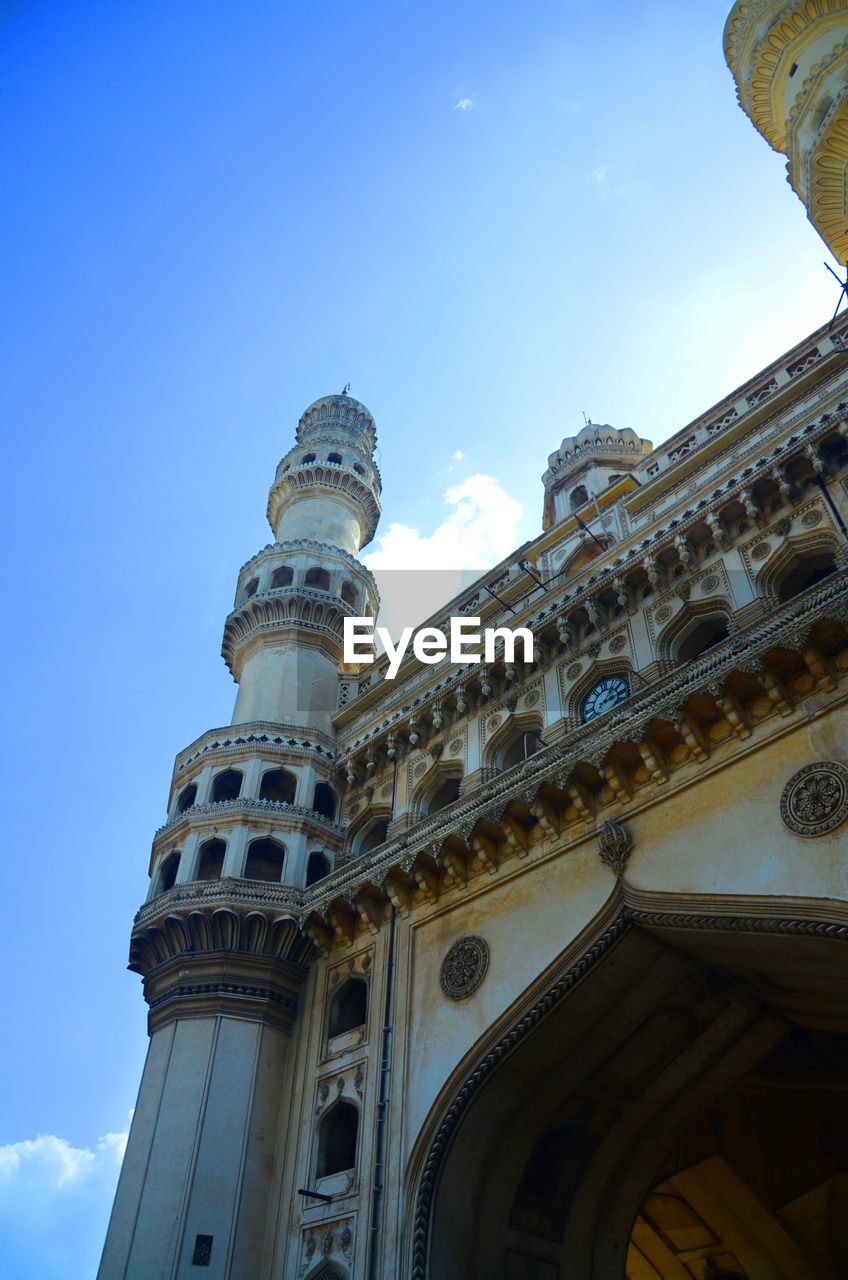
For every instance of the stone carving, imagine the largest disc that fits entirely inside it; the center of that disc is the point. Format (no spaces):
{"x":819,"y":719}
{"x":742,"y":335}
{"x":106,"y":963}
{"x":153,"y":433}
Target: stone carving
{"x":815,"y":799}
{"x":663,"y":614}
{"x":812,"y":517}
{"x":420,"y":769}
{"x":455,"y":747}
{"x":572,"y":672}
{"x":493,"y":723}
{"x":615,"y":845}
{"x":464,"y":966}
{"x":710,"y":583}
{"x":617,"y":644}
{"x":531,"y":698}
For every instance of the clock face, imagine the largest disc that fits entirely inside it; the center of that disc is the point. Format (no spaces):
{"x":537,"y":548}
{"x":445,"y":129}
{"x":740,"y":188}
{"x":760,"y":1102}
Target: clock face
{"x":604,"y":696}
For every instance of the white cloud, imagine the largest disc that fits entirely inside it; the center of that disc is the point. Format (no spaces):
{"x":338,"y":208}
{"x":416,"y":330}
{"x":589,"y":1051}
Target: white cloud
{"x":464,"y":104}
{"x":419,"y":573}
{"x":458,"y":456}
{"x":598,"y":176}
{"x":55,"y":1200}
{"x":52,"y":1164}
{"x":480,"y":530}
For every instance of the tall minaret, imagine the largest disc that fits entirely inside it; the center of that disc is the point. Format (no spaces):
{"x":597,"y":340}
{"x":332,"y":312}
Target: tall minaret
{"x":252,"y":819}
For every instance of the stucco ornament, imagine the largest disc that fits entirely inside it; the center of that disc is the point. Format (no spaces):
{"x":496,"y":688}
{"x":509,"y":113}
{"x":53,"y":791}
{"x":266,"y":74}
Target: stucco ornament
{"x":815,"y":799}
{"x":464,"y":966}
{"x":615,"y":844}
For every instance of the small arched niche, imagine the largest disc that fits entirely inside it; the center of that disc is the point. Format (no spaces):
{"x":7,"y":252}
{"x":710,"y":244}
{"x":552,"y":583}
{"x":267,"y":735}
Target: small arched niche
{"x":337,"y":1136}
{"x":444,"y":793}
{"x":335,"y":458}
{"x":803,"y":571}
{"x":349,"y":594}
{"x":226,"y":786}
{"x":348,"y":1008}
{"x":520,"y":747}
{"x":251,"y":588}
{"x":317,"y":867}
{"x":324,"y":801}
{"x":187,"y":797}
{"x":370,"y":836}
{"x":699,"y":635}
{"x":317,"y":578}
{"x":278,"y":785}
{"x":168,"y":872}
{"x":282,"y":577}
{"x":265,"y":859}
{"x":210,"y":862}
{"x":578,"y":497}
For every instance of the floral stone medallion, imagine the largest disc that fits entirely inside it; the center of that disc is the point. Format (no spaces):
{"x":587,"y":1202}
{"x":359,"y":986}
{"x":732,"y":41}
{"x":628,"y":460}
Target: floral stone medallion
{"x":464,"y":966}
{"x":815,"y":799}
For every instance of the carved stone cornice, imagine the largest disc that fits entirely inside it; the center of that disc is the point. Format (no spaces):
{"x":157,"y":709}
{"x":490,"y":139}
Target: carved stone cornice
{"x":787,"y":627}
{"x":250,"y":986}
{"x":226,"y":892}
{"x":259,"y":737}
{"x":318,"y":475}
{"x":320,"y":548}
{"x":281,"y":815}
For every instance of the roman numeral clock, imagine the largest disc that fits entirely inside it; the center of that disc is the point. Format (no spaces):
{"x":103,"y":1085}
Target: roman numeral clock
{"x":605,"y":696}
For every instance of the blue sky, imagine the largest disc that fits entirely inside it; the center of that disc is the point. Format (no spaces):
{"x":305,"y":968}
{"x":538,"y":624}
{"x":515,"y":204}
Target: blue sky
{"x":488,"y":218}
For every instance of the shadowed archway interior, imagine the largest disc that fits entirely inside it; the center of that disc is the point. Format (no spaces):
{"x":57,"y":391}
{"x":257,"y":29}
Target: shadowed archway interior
{"x":681,"y":1113}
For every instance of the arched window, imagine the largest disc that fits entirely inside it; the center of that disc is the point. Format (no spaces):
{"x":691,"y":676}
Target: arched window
{"x":579,"y":497}
{"x":282,"y":577}
{"x":278,"y":785}
{"x":348,"y":1007}
{"x":335,"y":457}
{"x":251,"y":588}
{"x":188,"y":795}
{"x":168,"y":872}
{"x":519,"y":749}
{"x":318,"y":578}
{"x":210,"y":864}
{"x":360,"y":471}
{"x":701,"y":635}
{"x":376,"y":833}
{"x":349,"y":594}
{"x":306,"y":459}
{"x":337,"y":1139}
{"x":317,"y":866}
{"x":226,"y":786}
{"x":324,"y":801}
{"x":805,"y":571}
{"x":264,"y":860}
{"x":445,"y":794}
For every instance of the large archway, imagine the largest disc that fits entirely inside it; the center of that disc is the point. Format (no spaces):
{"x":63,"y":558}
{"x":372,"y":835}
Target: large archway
{"x":595,"y":1135}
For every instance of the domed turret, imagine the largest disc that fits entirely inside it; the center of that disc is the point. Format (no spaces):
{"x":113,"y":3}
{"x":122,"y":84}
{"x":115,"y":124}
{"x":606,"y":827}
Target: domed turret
{"x":586,"y":464}
{"x":327,"y":488}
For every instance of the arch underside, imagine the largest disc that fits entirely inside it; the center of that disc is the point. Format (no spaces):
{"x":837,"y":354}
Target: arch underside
{"x":670,"y":1102}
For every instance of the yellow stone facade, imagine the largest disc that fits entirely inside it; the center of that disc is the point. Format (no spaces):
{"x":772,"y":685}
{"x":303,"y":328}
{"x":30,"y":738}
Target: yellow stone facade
{"x":790,"y":63}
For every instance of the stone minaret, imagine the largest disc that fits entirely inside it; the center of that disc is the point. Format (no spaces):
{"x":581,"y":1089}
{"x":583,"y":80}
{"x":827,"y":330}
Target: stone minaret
{"x":252,"y":819}
{"x":790,"y":64}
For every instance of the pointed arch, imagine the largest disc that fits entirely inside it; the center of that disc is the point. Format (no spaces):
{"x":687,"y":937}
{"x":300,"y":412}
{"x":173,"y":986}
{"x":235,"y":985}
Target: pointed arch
{"x":517,"y":726}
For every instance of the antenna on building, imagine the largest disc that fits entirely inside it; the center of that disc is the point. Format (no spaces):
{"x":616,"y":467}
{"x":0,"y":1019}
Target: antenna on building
{"x":345,"y":388}
{"x":587,"y":421}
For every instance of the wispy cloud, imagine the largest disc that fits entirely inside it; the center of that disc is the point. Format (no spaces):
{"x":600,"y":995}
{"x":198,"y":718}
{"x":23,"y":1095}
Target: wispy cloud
{"x":464,"y":104}
{"x":458,"y":456}
{"x":598,"y":178}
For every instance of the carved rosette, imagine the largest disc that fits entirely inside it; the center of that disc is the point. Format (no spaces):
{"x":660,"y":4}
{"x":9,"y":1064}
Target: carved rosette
{"x":815,"y":799}
{"x":464,"y":966}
